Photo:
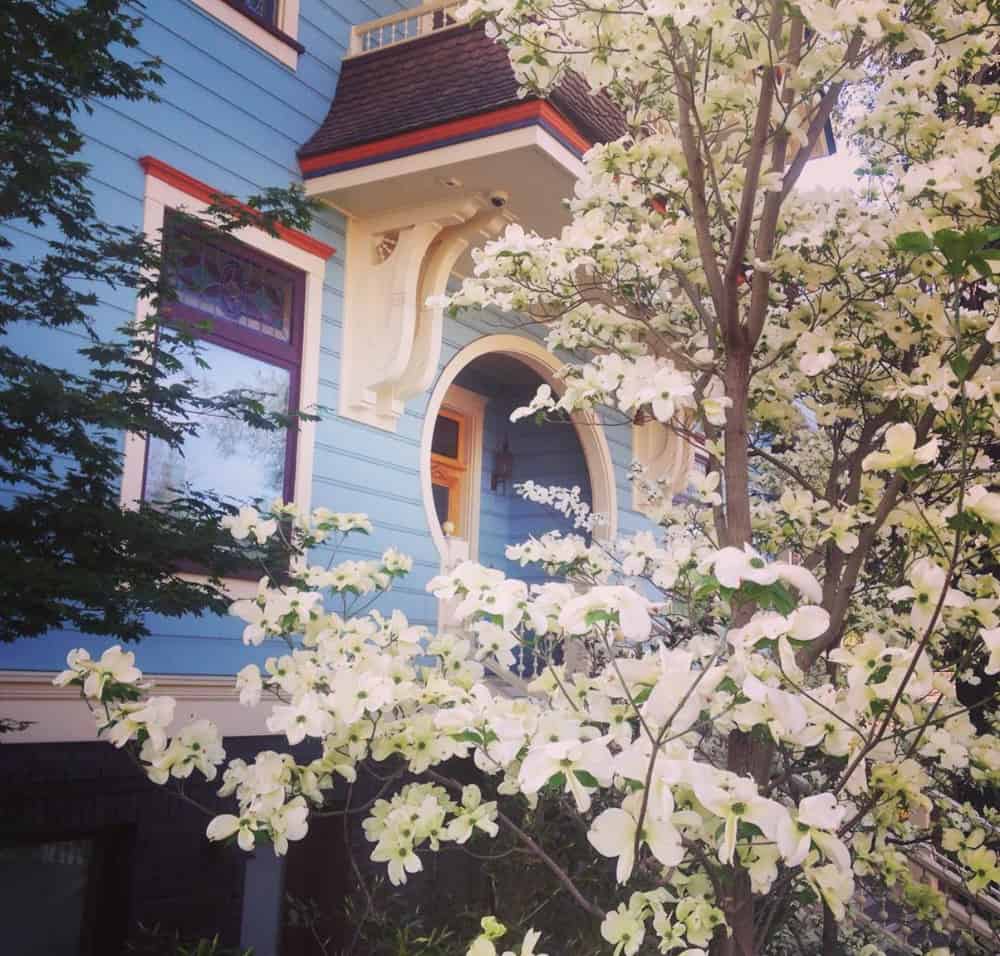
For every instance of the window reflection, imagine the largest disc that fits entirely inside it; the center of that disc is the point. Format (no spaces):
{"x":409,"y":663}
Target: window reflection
{"x":227,"y":456}
{"x":44,"y":900}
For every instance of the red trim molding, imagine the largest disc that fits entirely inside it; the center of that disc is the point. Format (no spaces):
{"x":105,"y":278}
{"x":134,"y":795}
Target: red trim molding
{"x":202,"y":191}
{"x":554,"y":118}
{"x":466,"y":128}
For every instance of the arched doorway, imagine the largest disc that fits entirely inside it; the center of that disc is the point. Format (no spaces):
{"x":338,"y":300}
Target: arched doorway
{"x":467,"y":421}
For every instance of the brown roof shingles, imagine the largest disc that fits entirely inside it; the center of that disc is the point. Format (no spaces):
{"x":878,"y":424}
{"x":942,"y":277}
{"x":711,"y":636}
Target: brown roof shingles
{"x":446,"y":75}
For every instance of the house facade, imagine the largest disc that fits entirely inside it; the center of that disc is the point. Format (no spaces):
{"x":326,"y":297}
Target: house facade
{"x":407,"y":126}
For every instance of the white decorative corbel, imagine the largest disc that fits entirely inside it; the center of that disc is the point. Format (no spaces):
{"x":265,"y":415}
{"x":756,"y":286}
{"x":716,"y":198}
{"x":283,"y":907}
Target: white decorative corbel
{"x":665,"y":456}
{"x":392,"y":337}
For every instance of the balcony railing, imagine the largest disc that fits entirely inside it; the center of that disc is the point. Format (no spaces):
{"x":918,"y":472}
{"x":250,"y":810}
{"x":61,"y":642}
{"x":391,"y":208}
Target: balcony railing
{"x":403,"y":26}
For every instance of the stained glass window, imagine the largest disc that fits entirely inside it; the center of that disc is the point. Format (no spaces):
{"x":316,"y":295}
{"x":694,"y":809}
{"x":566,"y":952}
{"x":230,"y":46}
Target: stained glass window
{"x":222,"y":281}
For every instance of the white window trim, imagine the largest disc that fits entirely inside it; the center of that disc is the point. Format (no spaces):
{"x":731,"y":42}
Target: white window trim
{"x":160,"y":196}
{"x":287,"y":22}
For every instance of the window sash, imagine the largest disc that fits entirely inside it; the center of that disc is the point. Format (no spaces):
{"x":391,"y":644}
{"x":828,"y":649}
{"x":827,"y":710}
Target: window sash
{"x":452,"y":473}
{"x":453,"y":479}
{"x":242,"y":340}
{"x":268,"y":9}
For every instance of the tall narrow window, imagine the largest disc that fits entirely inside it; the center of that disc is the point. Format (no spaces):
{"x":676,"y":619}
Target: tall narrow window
{"x":248,"y":310}
{"x":449,"y":468}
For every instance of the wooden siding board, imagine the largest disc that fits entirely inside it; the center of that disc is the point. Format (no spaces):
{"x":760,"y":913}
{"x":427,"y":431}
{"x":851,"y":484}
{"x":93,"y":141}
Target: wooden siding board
{"x":286,"y":106}
{"x":312,"y":74}
{"x":180,"y":28}
{"x":193,"y":143}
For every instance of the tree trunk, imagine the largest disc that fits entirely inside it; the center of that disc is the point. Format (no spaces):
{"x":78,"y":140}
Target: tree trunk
{"x":747,"y":755}
{"x":829,"y":932}
{"x":737,"y":465}
{"x":738,"y":906}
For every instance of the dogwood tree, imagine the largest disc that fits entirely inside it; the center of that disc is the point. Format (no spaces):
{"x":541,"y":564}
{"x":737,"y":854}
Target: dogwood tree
{"x":757,"y":709}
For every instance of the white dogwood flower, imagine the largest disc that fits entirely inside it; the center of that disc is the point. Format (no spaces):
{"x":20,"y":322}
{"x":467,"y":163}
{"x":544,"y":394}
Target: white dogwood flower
{"x":991,"y":638}
{"x":614,"y":604}
{"x":247,"y":522}
{"x":900,"y":442}
{"x":927,"y":581}
{"x":816,"y":822}
{"x":613,"y":833}
{"x":583,"y":765}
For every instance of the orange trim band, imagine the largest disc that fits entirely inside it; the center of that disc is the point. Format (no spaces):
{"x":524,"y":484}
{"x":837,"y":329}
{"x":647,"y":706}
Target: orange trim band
{"x":202,"y":191}
{"x":565,"y":128}
{"x":484,"y":123}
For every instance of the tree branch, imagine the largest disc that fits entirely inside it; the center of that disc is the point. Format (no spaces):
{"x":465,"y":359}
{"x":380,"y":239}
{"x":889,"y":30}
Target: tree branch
{"x":560,"y":874}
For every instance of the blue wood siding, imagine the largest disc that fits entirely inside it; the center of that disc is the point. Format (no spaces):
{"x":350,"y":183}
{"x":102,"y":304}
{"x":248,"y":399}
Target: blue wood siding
{"x":232,"y":116}
{"x":547,"y":454}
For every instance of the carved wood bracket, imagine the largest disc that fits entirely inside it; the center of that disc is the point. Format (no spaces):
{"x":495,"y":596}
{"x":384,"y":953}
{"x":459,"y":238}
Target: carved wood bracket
{"x":665,"y":458}
{"x":392,"y":338}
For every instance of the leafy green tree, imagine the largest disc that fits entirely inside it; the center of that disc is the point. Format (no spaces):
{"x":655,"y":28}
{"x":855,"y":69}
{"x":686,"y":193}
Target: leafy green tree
{"x":70,"y":555}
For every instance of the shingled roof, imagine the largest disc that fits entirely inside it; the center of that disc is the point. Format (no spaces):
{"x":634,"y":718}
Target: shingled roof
{"x":446,"y":75}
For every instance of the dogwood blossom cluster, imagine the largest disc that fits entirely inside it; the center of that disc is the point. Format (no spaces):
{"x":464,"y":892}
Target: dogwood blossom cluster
{"x":493,"y":929}
{"x":565,"y":501}
{"x":620,"y":737}
{"x":114,"y":688}
{"x":423,"y":813}
{"x":868,"y":320}
{"x":562,"y":554}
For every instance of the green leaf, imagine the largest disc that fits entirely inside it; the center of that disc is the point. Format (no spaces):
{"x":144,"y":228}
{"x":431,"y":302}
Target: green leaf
{"x":710,"y":587}
{"x":643,"y":695}
{"x":468,"y":737}
{"x":979,"y":263}
{"x":965,"y":521}
{"x":557,"y":781}
{"x":914,"y":242}
{"x":598,"y":617}
{"x":955,"y":247}
{"x":729,"y":685}
{"x":587,"y":779}
{"x":782,"y":599}
{"x":879,"y":675}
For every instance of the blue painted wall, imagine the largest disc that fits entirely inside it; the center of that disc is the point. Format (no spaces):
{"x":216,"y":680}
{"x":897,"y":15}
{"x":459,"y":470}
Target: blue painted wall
{"x":551,"y":455}
{"x":547,"y":454}
{"x":233,"y":117}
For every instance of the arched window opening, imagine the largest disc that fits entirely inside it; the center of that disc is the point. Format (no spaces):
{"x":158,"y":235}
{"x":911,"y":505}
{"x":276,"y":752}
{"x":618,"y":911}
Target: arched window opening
{"x":468,"y":422}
